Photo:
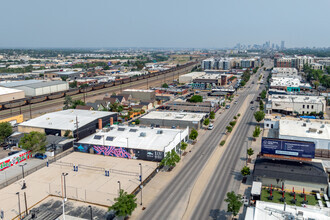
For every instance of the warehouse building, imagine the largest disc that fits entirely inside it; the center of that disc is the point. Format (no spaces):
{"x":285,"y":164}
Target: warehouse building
{"x":38,"y":87}
{"x":292,"y":104}
{"x":200,"y":107}
{"x":9,"y":94}
{"x":189,"y":77}
{"x":133,"y":142}
{"x":308,"y":176}
{"x":177,"y":119}
{"x":65,"y":74}
{"x":141,"y":94}
{"x":314,"y":131}
{"x":81,"y":122}
{"x":285,"y":72}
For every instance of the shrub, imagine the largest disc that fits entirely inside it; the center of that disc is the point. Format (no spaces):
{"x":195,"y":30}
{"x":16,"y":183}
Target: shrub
{"x":232,"y":123}
{"x":229,"y":128}
{"x":222,"y":143}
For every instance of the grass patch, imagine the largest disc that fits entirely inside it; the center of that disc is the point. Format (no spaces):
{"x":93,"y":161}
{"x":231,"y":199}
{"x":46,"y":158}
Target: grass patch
{"x":277,"y":195}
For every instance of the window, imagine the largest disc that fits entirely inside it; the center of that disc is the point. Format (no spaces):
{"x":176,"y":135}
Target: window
{"x":312,"y":106}
{"x":267,"y":125}
{"x":303,"y":112}
{"x":272,"y":126}
{"x":307,"y":106}
{"x":303,"y":107}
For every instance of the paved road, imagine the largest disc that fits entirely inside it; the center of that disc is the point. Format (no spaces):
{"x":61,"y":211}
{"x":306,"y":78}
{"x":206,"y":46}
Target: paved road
{"x":166,"y":203}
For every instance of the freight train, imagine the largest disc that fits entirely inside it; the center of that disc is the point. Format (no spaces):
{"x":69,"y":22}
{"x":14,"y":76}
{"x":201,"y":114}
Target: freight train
{"x":57,"y":95}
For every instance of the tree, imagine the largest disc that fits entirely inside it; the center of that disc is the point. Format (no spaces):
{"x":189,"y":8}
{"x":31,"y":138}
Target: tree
{"x":125,"y":204}
{"x":64,"y":78}
{"x":316,"y":84}
{"x":235,"y":117}
{"x":222,"y":143}
{"x":232,"y":123}
{"x":67,"y":132}
{"x":259,"y":116}
{"x":5,"y":131}
{"x":73,"y":84}
{"x":263,"y":94}
{"x":183,"y":145}
{"x":193,"y":134}
{"x":245,"y":171}
{"x":250,"y":152}
{"x":171,"y":159}
{"x":256,"y":132}
{"x":77,"y":102}
{"x":67,"y":102}
{"x":234,"y":202}
{"x":165,"y":85}
{"x":229,"y":128}
{"x":116,"y":107}
{"x":196,"y":98}
{"x":206,"y":121}
{"x":34,"y":142}
{"x":137,"y":121}
{"x":212,"y":115}
{"x":243,"y":83}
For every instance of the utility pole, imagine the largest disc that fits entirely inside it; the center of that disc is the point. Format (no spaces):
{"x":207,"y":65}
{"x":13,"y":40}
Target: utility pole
{"x":77,"y":127}
{"x":19,"y":206}
{"x":26,"y":209}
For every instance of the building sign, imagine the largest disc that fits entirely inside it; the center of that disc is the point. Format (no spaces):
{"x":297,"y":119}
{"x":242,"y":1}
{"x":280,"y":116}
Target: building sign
{"x":288,"y":147}
{"x":14,"y":159}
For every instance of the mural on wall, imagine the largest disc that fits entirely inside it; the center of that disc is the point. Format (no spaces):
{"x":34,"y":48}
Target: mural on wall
{"x":14,"y":159}
{"x":113,"y":151}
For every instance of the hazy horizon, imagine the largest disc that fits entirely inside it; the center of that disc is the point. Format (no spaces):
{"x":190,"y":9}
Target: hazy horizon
{"x":171,"y":24}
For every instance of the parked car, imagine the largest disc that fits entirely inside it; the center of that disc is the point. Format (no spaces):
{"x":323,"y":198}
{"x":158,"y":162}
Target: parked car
{"x":227,"y":106}
{"x":252,"y":108}
{"x":251,"y":102}
{"x":40,"y":156}
{"x":235,"y":102}
{"x":210,"y":127}
{"x":13,"y":152}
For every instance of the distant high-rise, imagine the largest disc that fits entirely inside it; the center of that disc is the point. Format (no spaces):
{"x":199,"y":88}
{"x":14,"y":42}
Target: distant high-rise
{"x":282,"y":44}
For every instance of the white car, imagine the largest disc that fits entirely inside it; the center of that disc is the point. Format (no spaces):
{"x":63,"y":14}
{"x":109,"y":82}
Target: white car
{"x":210,"y":127}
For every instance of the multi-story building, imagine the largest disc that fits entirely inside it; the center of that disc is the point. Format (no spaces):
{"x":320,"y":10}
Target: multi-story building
{"x":317,"y":66}
{"x":289,"y":84}
{"x":285,"y":72}
{"x":292,"y":104}
{"x":208,"y":63}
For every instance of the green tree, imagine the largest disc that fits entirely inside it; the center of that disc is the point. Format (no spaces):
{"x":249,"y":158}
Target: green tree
{"x":316,"y":84}
{"x":234,"y":202}
{"x":64,"y":78}
{"x":222,"y":142}
{"x":183,"y":145}
{"x":212,"y":115}
{"x":256,"y":132}
{"x":73,"y":84}
{"x":229,"y":128}
{"x":232,"y":123}
{"x":125,"y":204}
{"x":243,"y":83}
{"x":263,"y":94}
{"x":5,"y":131}
{"x":67,"y":102}
{"x":196,"y":98}
{"x":34,"y":142}
{"x":245,"y":171}
{"x":165,"y":85}
{"x":206,"y":121}
{"x":137,"y":121}
{"x":250,"y":152}
{"x":77,"y":102}
{"x":193,"y":134}
{"x":116,"y":107}
{"x":67,"y":132}
{"x":235,"y":117}
{"x":259,"y":116}
{"x":171,"y":159}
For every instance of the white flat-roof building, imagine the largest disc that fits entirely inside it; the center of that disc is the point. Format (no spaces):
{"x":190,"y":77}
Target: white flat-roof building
{"x":133,"y":142}
{"x":306,"y":130}
{"x":141,"y":94}
{"x":288,"y":84}
{"x":275,"y":211}
{"x":285,"y":72}
{"x":177,"y":119}
{"x":66,"y":120}
{"x":290,"y":104}
{"x":189,"y":77}
{"x":9,"y":94}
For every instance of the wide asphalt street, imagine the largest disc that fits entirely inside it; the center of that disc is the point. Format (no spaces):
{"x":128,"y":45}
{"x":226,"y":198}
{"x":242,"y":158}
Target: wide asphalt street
{"x":165,"y":204}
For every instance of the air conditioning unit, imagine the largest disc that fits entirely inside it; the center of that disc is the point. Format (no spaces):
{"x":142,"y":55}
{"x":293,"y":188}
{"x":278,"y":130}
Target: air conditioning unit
{"x":159,"y":131}
{"x":143,"y":134}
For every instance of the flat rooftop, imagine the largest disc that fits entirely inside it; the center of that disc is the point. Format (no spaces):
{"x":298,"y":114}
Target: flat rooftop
{"x":66,"y":119}
{"x":141,"y":137}
{"x":46,"y":83}
{"x":298,"y":99}
{"x":5,"y":91}
{"x":182,"y":116}
{"x":138,"y":90}
{"x":67,"y":72}
{"x":19,"y":83}
{"x":305,"y":128}
{"x":192,"y":74}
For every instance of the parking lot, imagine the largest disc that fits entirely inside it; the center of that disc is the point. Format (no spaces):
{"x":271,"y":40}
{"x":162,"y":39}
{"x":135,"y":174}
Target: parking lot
{"x":89,"y":184}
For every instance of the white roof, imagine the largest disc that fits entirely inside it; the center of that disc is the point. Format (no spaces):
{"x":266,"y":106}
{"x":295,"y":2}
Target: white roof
{"x":4,"y":91}
{"x":287,"y":81}
{"x":297,"y":99}
{"x":182,"y":116}
{"x":275,"y":211}
{"x":311,"y":129}
{"x":138,"y":90}
{"x":65,"y":120}
{"x":131,"y":137}
{"x":193,"y":74}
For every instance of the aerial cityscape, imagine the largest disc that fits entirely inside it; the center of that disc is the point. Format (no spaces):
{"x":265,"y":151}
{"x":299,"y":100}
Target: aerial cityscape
{"x":169,"y":110}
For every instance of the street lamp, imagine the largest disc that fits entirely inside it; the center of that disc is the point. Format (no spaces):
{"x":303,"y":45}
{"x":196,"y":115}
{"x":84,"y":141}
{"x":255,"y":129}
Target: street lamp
{"x":64,"y":195}
{"x":91,"y":209}
{"x":141,"y":181}
{"x":119,"y":186}
{"x":19,"y":206}
{"x":24,"y":184}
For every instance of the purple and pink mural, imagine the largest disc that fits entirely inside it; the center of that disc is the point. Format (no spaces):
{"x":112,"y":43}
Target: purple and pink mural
{"x":113,"y":151}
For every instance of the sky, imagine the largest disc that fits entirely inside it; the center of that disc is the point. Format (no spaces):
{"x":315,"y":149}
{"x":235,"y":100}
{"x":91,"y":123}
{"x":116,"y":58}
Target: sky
{"x":167,"y":23}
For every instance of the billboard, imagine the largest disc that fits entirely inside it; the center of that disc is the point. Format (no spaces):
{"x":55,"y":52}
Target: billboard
{"x":288,"y":147}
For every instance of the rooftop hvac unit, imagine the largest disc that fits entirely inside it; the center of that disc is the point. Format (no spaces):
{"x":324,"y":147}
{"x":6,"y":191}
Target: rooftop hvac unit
{"x":159,"y":131}
{"x":320,"y":131}
{"x":313,"y":130}
{"x":143,"y":134}
{"x":105,"y":129}
{"x":304,"y":125}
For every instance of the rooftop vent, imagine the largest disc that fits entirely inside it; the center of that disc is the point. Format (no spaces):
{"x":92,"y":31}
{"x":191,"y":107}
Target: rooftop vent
{"x":97,"y":137}
{"x":105,"y":129}
{"x":159,"y":131}
{"x":313,"y":130}
{"x":132,"y":130}
{"x":121,"y":129}
{"x":110,"y":138}
{"x":304,"y":125}
{"x":320,"y":132}
{"x":143,"y":134}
